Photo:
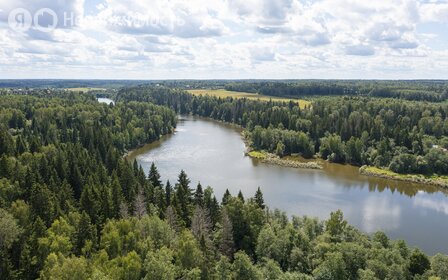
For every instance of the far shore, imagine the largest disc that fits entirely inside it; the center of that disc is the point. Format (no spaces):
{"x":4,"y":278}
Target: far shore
{"x":413,"y":178}
{"x":276,"y":160}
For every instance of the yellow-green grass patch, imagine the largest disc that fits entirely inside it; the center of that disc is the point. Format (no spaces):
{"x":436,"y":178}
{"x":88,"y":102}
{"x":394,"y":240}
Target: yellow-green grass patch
{"x":234,"y":94}
{"x":416,"y":178}
{"x":258,"y":154}
{"x":85,"y":89}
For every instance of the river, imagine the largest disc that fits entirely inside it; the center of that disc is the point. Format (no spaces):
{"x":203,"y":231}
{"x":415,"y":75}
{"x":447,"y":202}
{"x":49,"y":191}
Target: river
{"x":213,"y":153}
{"x":107,"y":101}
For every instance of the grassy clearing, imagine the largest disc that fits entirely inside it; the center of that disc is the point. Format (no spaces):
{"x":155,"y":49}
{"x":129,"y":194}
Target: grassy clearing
{"x":85,"y":89}
{"x":268,"y":158}
{"x":258,"y":154}
{"x":441,"y":181}
{"x":225,"y":93}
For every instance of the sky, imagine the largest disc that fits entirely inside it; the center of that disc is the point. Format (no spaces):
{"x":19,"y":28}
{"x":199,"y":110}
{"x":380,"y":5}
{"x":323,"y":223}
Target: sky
{"x":224,"y":39}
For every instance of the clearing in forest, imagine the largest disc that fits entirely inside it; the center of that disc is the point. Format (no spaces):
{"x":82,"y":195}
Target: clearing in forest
{"x":226,"y":93}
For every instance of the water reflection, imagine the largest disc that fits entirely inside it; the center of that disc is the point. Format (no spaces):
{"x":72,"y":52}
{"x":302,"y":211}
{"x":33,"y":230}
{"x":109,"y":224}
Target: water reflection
{"x":380,"y":213}
{"x":213,"y":153}
{"x":105,"y":100}
{"x":436,"y":204}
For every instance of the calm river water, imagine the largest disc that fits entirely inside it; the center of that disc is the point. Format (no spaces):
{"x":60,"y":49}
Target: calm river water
{"x":213,"y":153}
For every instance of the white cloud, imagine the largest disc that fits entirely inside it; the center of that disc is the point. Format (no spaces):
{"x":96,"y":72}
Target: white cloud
{"x":230,"y":39}
{"x":434,"y":12}
{"x":380,"y":214}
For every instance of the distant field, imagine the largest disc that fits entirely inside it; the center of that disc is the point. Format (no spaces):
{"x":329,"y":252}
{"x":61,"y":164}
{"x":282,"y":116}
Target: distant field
{"x":225,"y":93}
{"x":85,"y":89}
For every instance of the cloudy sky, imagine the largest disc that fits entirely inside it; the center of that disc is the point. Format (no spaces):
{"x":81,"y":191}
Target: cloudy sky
{"x":233,"y":39}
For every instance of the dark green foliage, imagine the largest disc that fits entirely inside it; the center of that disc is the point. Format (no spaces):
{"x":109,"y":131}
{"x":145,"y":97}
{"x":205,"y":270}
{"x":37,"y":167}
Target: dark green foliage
{"x":184,"y":198}
{"x":410,"y":90}
{"x":199,"y":196}
{"x":259,"y":198}
{"x":65,"y":186}
{"x":405,"y":136}
{"x":419,"y":263}
{"x":154,"y":176}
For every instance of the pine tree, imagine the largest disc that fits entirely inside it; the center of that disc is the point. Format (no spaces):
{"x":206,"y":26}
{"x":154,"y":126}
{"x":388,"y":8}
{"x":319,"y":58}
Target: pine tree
{"x":86,"y":231}
{"x":259,"y":198}
{"x":90,"y":202}
{"x":199,"y":196}
{"x":212,"y":205}
{"x":140,"y":205}
{"x":154,"y":176}
{"x":7,"y":146}
{"x":20,"y":145}
{"x":226,"y":246}
{"x":171,"y":218}
{"x":31,"y":257}
{"x":159,"y":200}
{"x":240,"y":196}
{"x":168,"y":192}
{"x":226,"y":197}
{"x":127,"y":181}
{"x":184,"y":198}
{"x":105,"y":203}
{"x":42,"y":203}
{"x":124,"y":210}
{"x":117,"y":197}
{"x":201,"y":225}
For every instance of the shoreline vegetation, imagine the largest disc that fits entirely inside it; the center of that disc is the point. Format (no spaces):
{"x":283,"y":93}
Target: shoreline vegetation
{"x":273,"y":159}
{"x":372,"y":171}
{"x":222,"y":93}
{"x":294,"y":162}
{"x":269,"y":158}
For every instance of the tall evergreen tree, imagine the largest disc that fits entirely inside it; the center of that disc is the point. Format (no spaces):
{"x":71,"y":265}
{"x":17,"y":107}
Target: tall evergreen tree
{"x":86,"y":231}
{"x":259,"y":198}
{"x":199,"y":196}
{"x":117,"y":198}
{"x":226,"y":197}
{"x":240,"y":196}
{"x":226,"y":246}
{"x":154,"y":176}
{"x":168,"y":193}
{"x":184,"y":198}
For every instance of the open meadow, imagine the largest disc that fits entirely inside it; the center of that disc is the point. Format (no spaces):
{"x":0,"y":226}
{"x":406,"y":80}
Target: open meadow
{"x":226,"y":93}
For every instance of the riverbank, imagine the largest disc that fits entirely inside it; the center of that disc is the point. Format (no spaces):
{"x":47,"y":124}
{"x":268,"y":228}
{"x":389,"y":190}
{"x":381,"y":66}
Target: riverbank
{"x":413,"y":178}
{"x":276,"y":160}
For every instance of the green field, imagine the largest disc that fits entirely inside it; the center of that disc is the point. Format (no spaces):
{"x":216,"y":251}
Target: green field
{"x":436,"y":180}
{"x":225,"y":93}
{"x":85,"y":89}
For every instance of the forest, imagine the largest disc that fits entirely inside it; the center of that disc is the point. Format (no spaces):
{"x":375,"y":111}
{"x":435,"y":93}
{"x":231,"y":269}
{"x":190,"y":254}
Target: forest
{"x":419,"y":90}
{"x":403,"y":136}
{"x":435,"y":91}
{"x":72,"y":207}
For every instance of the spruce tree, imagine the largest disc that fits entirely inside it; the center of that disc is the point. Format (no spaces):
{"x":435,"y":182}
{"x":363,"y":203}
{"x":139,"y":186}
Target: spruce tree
{"x":168,"y":192}
{"x":199,"y":196}
{"x":117,"y":196}
{"x":226,"y":245}
{"x":184,"y":198}
{"x":86,"y":231}
{"x":226,"y":197}
{"x":259,"y":198}
{"x":154,"y":176}
{"x":240,"y":196}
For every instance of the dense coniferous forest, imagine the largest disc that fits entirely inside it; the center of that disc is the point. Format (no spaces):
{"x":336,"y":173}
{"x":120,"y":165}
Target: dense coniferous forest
{"x":71,"y":207}
{"x":423,"y":90}
{"x":404,"y":136}
{"x":434,"y":91}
